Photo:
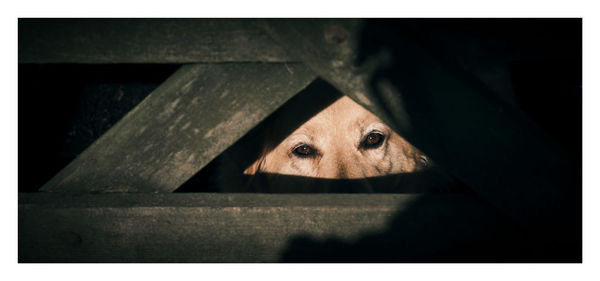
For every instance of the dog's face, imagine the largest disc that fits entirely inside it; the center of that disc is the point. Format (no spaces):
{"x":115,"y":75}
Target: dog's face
{"x":343,"y":141}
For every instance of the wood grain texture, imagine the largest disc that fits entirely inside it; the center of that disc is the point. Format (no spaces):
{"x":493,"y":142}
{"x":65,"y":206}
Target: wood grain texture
{"x":61,"y":227}
{"x":145,"y":41}
{"x":180,"y":127}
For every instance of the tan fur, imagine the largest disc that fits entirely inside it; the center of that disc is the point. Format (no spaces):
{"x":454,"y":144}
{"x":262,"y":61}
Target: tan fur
{"x":336,"y":132}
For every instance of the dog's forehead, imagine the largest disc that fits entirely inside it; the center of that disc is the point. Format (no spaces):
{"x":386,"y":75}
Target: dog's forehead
{"x":343,"y":118}
{"x":342,"y":111}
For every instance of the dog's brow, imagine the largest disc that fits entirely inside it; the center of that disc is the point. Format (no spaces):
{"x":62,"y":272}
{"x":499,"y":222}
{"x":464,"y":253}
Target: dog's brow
{"x":301,"y":136}
{"x":373,"y":125}
{"x":361,"y":127}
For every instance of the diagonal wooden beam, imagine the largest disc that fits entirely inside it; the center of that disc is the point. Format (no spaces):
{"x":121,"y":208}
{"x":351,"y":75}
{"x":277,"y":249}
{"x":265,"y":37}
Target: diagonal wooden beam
{"x":180,"y":127}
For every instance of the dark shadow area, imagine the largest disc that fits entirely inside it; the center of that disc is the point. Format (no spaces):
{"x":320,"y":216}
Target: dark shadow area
{"x":63,"y":108}
{"x":549,"y":91}
{"x":441,"y":229}
{"x":426,"y":181}
{"x":543,"y":58}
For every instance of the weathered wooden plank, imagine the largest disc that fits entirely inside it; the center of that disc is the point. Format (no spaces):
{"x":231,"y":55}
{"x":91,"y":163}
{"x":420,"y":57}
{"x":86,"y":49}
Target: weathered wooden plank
{"x":61,"y":227}
{"x":186,"y":227}
{"x":145,"y":41}
{"x":491,"y":146}
{"x":180,"y":127}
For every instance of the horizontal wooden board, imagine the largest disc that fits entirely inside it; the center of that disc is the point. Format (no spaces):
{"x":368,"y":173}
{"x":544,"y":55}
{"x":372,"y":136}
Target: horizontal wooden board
{"x":60,"y":227}
{"x":145,"y":41}
{"x":181,"y":126}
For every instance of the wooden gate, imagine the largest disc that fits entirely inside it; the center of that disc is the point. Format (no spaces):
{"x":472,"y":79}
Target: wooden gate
{"x":115,"y":201}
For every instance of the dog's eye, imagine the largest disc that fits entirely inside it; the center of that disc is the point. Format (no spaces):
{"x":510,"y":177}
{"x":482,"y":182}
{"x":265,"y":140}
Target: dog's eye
{"x":372,"y":140}
{"x":304,"y":150}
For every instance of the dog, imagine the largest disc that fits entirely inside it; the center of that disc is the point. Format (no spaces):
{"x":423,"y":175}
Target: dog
{"x":323,"y":141}
{"x":343,"y":141}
